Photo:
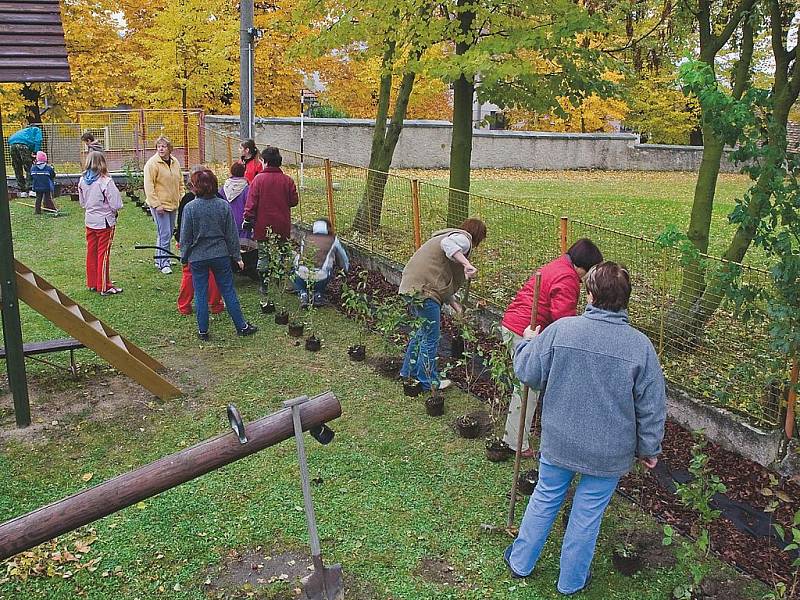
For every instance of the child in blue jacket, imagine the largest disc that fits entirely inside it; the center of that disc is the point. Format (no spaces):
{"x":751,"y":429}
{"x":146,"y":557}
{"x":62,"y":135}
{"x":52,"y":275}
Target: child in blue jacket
{"x":44,"y":177}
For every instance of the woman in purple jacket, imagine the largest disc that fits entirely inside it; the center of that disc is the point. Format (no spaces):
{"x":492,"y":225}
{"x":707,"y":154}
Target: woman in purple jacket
{"x":234,"y":190}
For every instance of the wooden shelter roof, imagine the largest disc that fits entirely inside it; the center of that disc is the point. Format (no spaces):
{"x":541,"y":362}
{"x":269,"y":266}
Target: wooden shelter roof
{"x":32,"y":47}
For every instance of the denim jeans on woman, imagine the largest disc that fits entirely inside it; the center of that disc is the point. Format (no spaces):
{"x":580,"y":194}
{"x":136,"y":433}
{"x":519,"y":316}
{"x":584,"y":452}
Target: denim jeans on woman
{"x":420,"y":359}
{"x":223,"y":273}
{"x":592,"y":495}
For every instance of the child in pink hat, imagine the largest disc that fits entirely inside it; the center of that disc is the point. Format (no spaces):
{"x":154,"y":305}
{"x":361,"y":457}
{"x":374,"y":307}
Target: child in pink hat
{"x":44,"y":177}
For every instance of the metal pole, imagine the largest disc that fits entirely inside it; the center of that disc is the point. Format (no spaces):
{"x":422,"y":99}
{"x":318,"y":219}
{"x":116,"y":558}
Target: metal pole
{"x":246,"y":70}
{"x":12,"y":326}
{"x":302,"y":133}
{"x":415,"y":215}
{"x":329,"y":193}
{"x":563,"y":234}
{"x":74,"y":511}
{"x":313,"y":535}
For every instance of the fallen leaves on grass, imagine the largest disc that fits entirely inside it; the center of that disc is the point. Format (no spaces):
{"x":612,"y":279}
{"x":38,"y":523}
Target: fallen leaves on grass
{"x":53,"y":559}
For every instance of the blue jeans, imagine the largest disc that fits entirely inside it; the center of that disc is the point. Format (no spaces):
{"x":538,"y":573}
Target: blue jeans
{"x":223,"y":273}
{"x":316,"y":288}
{"x":420,"y":359}
{"x":592,"y":495}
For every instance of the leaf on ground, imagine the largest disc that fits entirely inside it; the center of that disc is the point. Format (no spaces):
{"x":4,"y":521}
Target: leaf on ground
{"x":87,"y":476}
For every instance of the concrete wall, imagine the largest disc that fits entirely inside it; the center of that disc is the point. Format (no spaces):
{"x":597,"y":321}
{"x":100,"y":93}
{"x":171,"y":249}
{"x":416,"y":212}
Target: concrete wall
{"x":426,"y":145}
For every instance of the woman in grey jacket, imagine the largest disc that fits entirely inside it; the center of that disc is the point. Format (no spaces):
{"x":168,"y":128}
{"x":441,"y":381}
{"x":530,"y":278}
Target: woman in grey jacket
{"x":209,"y":241}
{"x":604,"y":406}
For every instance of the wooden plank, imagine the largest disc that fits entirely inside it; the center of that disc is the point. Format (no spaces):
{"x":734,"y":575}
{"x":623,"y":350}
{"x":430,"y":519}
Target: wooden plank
{"x":59,"y":345}
{"x":25,"y":18}
{"x":28,"y":7}
{"x":32,"y":52}
{"x":96,"y":340}
{"x":15,"y":41}
{"x":72,"y":307}
{"x":26,"y":75}
{"x":36,"y":64}
{"x":17,"y":29}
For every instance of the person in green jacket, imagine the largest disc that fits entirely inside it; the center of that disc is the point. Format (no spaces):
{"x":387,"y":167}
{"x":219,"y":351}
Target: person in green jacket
{"x":22,"y":145}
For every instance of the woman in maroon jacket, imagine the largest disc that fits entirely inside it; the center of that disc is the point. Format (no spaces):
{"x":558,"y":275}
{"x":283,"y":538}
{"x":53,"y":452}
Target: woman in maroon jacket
{"x":268,"y":209}
{"x":558,"y":297}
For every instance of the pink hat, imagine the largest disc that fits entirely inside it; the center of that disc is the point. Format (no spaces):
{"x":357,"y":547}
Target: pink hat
{"x":41,"y":157}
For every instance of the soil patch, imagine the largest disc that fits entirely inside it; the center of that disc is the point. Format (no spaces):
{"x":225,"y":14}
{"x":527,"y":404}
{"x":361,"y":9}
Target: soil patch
{"x":386,"y":366}
{"x":271,"y":575}
{"x":440,"y":572}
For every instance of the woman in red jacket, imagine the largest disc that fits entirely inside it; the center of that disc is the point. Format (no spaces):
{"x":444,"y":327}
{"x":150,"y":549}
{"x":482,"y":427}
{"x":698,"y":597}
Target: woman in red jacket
{"x":558,"y":297}
{"x":251,"y":160}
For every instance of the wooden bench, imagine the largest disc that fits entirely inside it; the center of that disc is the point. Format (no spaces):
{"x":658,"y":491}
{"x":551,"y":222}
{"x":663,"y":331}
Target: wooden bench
{"x":33,"y":348}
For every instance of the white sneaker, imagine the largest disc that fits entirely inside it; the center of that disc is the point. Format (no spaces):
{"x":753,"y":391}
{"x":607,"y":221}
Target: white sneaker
{"x":444,"y":384}
{"x":31,"y":194}
{"x":166,"y":270}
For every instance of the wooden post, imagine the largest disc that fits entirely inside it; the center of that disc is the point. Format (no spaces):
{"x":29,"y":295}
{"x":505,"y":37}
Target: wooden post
{"x":791,"y":404}
{"x":12,"y":326}
{"x":564,"y":223}
{"x":329,"y":193}
{"x":415,"y":212}
{"x":201,"y":137}
{"x":27,"y":531}
{"x":230,"y":149}
{"x":144,"y":133}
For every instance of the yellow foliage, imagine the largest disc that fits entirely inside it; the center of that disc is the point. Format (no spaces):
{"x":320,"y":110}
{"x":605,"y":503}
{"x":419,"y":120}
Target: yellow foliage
{"x":594,"y":114}
{"x":660,"y":110}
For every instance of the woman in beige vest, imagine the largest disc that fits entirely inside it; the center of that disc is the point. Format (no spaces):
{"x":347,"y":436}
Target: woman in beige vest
{"x":430,"y":279}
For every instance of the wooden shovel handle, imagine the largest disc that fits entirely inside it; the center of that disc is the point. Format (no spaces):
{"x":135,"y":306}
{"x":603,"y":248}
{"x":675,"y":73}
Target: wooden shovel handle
{"x":537,"y":282}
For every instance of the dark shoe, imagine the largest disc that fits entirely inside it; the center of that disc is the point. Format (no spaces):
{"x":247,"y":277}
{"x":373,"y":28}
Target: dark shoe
{"x":507,"y":560}
{"x":203,"y":336}
{"x":585,"y":585}
{"x":250,"y":329}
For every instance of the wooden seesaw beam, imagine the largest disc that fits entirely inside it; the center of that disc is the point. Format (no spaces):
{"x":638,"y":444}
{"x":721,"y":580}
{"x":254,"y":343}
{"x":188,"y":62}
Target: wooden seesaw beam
{"x":26,"y":531}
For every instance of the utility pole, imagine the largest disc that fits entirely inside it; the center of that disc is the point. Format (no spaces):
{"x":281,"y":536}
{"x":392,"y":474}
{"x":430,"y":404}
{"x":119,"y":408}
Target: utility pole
{"x":246,"y":70}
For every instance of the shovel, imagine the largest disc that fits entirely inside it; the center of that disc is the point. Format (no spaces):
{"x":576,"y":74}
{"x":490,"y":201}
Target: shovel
{"x":325,"y":583}
{"x":523,"y":409}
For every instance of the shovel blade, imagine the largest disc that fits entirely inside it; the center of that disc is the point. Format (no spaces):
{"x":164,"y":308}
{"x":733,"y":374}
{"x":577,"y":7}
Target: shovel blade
{"x":324,"y":585}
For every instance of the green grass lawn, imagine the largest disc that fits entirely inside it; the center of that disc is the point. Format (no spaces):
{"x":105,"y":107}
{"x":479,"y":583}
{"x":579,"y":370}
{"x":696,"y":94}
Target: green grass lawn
{"x":398,"y":486}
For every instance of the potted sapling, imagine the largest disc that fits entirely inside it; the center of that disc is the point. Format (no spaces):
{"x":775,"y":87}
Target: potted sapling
{"x":134,"y":179}
{"x":434,"y":404}
{"x":355,"y":301}
{"x":411,"y":386}
{"x":474,"y":365}
{"x":313,"y":342}
{"x":273,"y":279}
{"x":501,"y":371}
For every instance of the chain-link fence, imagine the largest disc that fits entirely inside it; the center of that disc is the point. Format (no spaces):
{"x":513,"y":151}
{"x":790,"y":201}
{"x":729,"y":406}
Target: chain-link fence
{"x":127,"y":136}
{"x":705,"y":348}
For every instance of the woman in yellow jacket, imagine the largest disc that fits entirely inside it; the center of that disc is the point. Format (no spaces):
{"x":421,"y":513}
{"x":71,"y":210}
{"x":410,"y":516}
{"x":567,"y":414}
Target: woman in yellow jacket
{"x":163,"y":187}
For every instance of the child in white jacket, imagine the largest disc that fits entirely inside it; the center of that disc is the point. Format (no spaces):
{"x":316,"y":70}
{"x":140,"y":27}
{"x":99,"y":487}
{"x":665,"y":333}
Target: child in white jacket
{"x":100,"y":198}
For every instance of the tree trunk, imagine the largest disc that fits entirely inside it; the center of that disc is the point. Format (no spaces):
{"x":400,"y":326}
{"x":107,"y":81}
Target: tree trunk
{"x":384,"y":142}
{"x":461,"y":140}
{"x":460,"y":152}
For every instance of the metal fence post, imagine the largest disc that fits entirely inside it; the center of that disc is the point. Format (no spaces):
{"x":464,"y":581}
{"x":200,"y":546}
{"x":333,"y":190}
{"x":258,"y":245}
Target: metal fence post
{"x":564,"y":223}
{"x":329,"y":192}
{"x":792,"y":401}
{"x":415,"y":211}
{"x":230,"y":150}
{"x":201,"y":137}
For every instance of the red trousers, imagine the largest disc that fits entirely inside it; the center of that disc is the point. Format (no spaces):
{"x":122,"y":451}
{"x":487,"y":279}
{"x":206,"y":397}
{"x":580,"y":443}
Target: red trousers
{"x":186,"y":294}
{"x":98,"y":253}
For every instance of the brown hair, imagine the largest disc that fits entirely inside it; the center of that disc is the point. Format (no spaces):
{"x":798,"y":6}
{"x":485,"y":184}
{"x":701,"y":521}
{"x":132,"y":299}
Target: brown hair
{"x":271,"y":156}
{"x":584,"y":254}
{"x":95,"y":161}
{"x":204,"y":183}
{"x":165,"y":140}
{"x":610,"y":286}
{"x":237,"y":169}
{"x":476,"y":229}
{"x":87,"y":137}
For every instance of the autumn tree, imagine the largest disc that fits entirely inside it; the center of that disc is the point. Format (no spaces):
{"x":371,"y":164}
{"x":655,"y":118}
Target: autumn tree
{"x":191,"y":55}
{"x":527,"y":54}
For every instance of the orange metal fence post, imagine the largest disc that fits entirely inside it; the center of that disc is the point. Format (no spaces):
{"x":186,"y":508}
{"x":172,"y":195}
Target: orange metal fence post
{"x":564,"y":223}
{"x":230,"y":150}
{"x":792,"y":400}
{"x":329,"y":192}
{"x":415,"y":210}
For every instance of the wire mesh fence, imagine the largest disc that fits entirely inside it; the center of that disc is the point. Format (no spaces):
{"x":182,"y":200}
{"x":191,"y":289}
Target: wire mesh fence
{"x":127,"y":136}
{"x":716,"y":358}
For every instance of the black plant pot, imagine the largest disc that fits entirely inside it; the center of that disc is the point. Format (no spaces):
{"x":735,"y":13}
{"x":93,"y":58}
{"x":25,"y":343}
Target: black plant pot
{"x":457,"y":347}
{"x":145,"y":209}
{"x":498,"y":451}
{"x":357,"y":353}
{"x":313,"y":344}
{"x":296,"y":329}
{"x":73,"y":197}
{"x":412,"y":388}
{"x":268,"y":307}
{"x":467,"y":427}
{"x":527,"y":481}
{"x":282,"y":318}
{"x":434,"y":406}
